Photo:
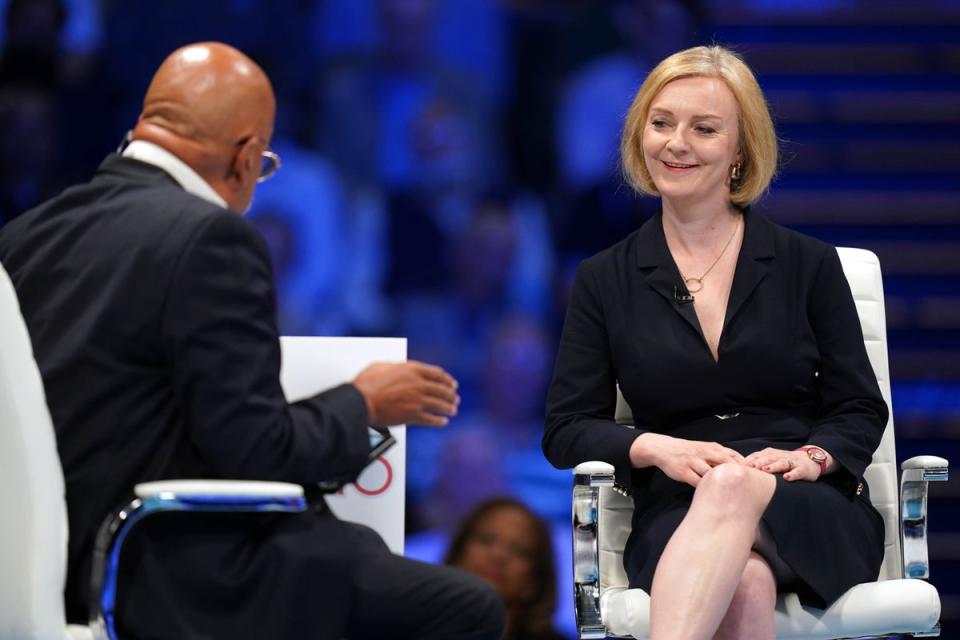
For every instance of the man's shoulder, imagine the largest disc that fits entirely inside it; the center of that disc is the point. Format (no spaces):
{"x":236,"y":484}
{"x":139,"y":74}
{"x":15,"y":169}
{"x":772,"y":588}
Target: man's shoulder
{"x":126,"y":207}
{"x":130,"y":184}
{"x":146,"y":196}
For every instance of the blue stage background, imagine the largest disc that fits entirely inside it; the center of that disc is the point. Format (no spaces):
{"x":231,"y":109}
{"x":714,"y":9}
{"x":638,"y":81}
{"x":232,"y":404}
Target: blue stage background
{"x":447,"y":163}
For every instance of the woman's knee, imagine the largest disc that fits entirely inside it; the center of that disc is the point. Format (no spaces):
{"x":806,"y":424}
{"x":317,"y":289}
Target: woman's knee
{"x":737,"y":486}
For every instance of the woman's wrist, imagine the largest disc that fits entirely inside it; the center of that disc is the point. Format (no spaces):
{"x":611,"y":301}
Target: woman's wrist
{"x":642,"y":453}
{"x":820,"y":456}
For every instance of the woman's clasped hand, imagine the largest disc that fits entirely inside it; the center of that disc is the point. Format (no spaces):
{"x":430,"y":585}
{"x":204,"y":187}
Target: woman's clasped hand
{"x":689,"y":460}
{"x":794,"y":465}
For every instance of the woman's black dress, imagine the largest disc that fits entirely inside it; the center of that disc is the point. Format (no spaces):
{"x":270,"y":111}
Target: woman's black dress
{"x":792,"y":367}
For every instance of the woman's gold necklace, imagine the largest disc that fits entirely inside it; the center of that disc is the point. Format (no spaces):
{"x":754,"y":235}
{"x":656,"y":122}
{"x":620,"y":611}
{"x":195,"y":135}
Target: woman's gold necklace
{"x":699,"y":281}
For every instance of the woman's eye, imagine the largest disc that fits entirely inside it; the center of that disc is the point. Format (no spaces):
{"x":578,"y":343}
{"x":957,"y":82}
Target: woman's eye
{"x":657,"y":124}
{"x":484,"y":537}
{"x":521,"y":552}
{"x":706,"y":130}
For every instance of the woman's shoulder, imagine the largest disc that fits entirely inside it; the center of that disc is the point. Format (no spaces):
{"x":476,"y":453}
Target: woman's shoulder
{"x":616,"y":256}
{"x":790,"y":243}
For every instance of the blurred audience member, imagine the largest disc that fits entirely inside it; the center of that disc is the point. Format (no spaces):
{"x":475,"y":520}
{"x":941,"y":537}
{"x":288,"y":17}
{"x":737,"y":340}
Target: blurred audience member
{"x":496,"y":444}
{"x":28,"y":147}
{"x":138,"y":35}
{"x":304,"y":215}
{"x":48,"y":60}
{"x":660,"y":27}
{"x":536,"y":29}
{"x":436,"y":201}
{"x":455,"y":323}
{"x":374,"y":107}
{"x":515,"y":377}
{"x":30,"y":77}
{"x":515,"y":380}
{"x":31,"y":49}
{"x":465,"y":470}
{"x":468,"y":35}
{"x":610,"y":48}
{"x":506,"y":544}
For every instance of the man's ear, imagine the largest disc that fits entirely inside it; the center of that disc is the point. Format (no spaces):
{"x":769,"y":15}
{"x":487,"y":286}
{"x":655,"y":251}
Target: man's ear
{"x":245,"y":161}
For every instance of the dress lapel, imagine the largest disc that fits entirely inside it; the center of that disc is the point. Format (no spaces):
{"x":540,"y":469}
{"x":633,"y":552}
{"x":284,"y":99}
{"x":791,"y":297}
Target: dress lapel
{"x":655,"y":262}
{"x":753,"y":264}
{"x":657,"y":265}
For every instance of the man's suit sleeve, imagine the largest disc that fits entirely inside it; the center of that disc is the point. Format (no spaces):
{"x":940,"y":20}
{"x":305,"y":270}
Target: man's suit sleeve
{"x":224,"y":356}
{"x":582,"y":397}
{"x":852,"y":414}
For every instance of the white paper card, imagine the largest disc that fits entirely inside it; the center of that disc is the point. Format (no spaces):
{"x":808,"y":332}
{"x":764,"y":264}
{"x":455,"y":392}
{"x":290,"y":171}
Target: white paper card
{"x":311,"y":365}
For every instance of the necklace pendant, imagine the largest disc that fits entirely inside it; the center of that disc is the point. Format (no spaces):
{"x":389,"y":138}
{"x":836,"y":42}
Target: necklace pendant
{"x":698,"y":281}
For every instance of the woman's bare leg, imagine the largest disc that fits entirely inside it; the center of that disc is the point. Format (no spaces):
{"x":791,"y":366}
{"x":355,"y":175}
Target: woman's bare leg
{"x":750,"y":614}
{"x":702,"y":564}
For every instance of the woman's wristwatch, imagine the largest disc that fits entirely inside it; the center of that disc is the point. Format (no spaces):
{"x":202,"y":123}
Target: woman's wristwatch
{"x":816,"y":454}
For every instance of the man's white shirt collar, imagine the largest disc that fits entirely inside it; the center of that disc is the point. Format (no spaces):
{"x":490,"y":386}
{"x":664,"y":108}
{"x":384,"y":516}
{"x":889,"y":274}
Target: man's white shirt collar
{"x":186,"y":177}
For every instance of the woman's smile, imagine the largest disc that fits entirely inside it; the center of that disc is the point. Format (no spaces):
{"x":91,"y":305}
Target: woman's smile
{"x":679,"y":167}
{"x":691,"y":140}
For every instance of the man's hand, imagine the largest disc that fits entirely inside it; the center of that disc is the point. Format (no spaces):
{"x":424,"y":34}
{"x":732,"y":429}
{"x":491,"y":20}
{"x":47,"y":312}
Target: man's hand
{"x":682,"y":460}
{"x":408,"y":393}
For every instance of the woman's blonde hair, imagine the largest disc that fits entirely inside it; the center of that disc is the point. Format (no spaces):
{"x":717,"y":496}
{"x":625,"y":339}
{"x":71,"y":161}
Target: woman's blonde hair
{"x":758,"y":141}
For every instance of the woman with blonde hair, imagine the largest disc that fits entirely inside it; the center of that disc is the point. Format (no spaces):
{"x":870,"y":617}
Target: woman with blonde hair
{"x":737,"y":345}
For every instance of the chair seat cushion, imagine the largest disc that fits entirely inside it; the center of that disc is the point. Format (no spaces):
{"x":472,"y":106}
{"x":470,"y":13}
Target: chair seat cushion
{"x":872,"y":609}
{"x":77,"y":632}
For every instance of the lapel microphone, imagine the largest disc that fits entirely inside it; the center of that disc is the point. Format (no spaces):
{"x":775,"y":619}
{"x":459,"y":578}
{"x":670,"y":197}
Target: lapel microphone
{"x":681,"y":298}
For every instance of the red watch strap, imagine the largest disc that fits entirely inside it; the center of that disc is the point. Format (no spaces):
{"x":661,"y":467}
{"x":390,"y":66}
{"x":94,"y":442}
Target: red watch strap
{"x":822,"y":463}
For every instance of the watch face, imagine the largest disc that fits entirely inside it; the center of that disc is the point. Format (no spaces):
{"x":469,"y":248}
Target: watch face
{"x":817,"y":455}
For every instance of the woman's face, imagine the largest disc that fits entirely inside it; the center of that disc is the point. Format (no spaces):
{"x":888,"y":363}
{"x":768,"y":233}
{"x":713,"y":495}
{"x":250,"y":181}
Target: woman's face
{"x":691,"y":140}
{"x":501,"y":550}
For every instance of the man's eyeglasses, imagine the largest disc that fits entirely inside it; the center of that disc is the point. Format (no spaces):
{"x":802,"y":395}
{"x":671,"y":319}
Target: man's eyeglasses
{"x":269,"y":164}
{"x":269,"y":159}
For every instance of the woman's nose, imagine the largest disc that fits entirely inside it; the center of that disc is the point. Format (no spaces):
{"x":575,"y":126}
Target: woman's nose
{"x":499,"y":552}
{"x":678,"y":141}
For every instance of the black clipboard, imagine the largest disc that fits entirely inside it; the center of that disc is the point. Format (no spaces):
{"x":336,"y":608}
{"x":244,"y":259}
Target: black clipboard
{"x":380,"y":441}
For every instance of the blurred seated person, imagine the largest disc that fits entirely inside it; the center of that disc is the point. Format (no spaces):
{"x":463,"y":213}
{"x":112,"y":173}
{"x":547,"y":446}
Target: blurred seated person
{"x":508,"y":545}
{"x":737,"y":344}
{"x":29,"y":139}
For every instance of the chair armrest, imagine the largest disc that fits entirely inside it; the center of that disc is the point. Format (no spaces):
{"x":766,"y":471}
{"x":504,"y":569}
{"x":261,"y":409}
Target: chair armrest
{"x":934,"y":464}
{"x":917,"y":473}
{"x":600,"y":473}
{"x":174,"y":495}
{"x":588,"y":478}
{"x":227,"y":492}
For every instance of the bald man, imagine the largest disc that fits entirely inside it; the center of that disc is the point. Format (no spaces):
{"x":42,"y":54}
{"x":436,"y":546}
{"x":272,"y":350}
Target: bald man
{"x":150,"y":304}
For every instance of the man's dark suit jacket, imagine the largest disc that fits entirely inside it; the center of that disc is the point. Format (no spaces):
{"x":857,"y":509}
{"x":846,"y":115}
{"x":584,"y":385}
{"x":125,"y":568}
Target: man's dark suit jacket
{"x":152,"y":316}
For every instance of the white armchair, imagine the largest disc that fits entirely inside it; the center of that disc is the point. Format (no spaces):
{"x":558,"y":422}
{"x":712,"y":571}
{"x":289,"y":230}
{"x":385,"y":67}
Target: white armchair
{"x":899,"y":602}
{"x":33,"y":532}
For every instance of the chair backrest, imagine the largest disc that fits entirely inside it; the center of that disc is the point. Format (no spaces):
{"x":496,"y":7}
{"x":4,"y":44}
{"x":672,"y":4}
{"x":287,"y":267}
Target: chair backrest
{"x":33,"y":532}
{"x":862,"y":269}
